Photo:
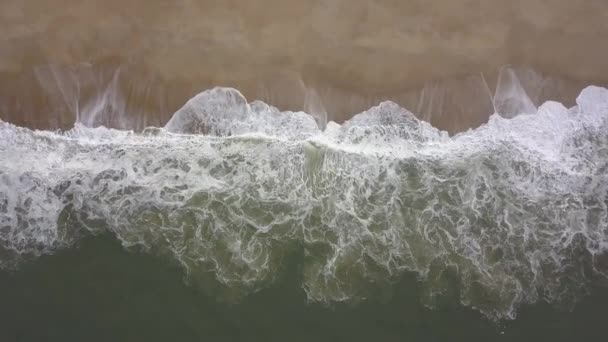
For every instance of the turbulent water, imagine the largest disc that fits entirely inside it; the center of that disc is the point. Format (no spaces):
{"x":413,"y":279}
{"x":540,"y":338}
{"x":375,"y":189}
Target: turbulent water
{"x":513,"y":212}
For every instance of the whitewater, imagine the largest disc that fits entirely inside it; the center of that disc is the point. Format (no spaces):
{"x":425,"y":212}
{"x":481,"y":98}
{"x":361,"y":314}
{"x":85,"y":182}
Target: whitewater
{"x":516,"y":211}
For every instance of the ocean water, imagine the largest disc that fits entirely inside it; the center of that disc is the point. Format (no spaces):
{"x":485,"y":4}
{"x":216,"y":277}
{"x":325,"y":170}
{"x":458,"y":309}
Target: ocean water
{"x":237,"y":221}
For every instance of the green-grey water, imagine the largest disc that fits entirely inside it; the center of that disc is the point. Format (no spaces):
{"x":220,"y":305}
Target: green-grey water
{"x":99,"y":292}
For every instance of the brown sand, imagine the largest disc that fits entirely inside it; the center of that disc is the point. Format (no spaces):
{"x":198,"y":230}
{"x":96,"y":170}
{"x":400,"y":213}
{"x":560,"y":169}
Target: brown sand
{"x":439,"y":58}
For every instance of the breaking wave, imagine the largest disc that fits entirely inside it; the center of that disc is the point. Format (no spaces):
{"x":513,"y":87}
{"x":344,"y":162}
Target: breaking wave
{"x":514,"y":211}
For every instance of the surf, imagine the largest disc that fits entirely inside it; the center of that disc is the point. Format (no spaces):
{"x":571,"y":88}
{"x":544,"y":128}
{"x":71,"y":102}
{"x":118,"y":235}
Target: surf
{"x":516,"y":209}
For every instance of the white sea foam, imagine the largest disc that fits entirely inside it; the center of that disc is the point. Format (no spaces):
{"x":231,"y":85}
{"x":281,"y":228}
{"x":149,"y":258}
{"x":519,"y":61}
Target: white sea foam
{"x":516,"y":209}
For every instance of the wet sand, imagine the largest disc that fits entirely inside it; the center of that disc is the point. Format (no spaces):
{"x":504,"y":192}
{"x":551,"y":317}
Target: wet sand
{"x":138,"y":61}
